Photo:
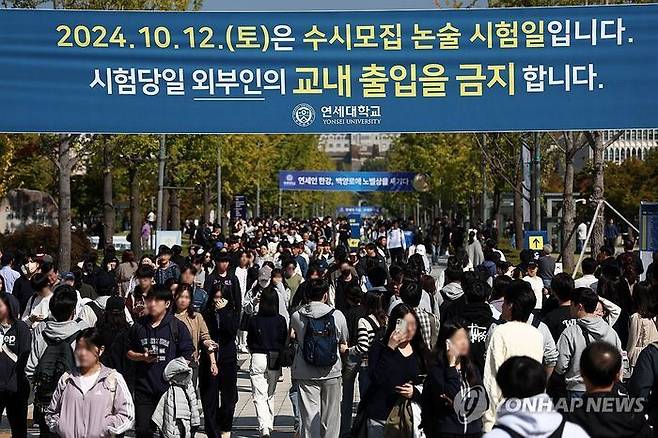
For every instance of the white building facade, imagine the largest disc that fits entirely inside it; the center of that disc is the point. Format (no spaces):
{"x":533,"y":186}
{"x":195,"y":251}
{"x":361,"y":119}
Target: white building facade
{"x":633,"y":143}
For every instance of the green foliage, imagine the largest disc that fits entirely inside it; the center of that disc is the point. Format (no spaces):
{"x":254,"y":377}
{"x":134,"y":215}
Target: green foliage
{"x":23,"y":165}
{"x":451,"y":161}
{"x":630,"y":182}
{"x":34,"y":236}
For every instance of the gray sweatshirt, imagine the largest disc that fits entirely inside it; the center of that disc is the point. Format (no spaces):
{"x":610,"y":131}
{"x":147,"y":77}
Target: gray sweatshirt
{"x":54,"y":330}
{"x":572,"y":342}
{"x":302,"y":370}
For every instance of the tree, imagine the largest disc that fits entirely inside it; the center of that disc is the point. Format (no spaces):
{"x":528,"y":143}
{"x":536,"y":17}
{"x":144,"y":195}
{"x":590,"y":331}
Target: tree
{"x":67,"y":149}
{"x":632,"y":181}
{"x":570,"y":143}
{"x":450,"y":161}
{"x":136,"y":151}
{"x":502,"y":153}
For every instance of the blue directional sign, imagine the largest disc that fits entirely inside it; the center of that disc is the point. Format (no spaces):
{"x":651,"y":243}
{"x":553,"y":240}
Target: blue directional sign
{"x":649,"y":226}
{"x":535,"y":240}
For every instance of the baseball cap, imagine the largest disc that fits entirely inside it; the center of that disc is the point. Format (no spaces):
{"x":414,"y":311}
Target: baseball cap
{"x":264,"y":276}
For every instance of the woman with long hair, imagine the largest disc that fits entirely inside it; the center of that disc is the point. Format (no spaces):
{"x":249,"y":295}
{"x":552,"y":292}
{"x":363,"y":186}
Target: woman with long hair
{"x":613,"y":287}
{"x":450,"y":377}
{"x":125,"y":272}
{"x":115,"y":329}
{"x":15,"y":346}
{"x":367,"y":329}
{"x":222,"y":321}
{"x":195,"y":323}
{"x":642,"y":330}
{"x":397,"y":364}
{"x":266,"y":336}
{"x":94,"y":400}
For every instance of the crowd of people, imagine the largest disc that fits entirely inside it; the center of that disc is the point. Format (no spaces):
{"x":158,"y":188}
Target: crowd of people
{"x":478,"y":347}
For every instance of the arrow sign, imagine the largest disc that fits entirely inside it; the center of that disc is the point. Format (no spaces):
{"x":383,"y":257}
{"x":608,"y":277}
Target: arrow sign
{"x":535,"y":240}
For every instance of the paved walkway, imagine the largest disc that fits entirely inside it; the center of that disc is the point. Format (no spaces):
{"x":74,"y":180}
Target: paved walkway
{"x":245,"y":424}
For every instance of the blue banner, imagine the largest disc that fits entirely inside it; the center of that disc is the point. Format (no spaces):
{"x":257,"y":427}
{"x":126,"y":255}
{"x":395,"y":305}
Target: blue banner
{"x":328,"y":181}
{"x":363,"y":211}
{"x":340,"y":71}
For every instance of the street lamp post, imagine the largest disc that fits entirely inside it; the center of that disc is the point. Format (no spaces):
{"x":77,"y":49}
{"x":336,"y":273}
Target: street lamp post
{"x":218,"y":215}
{"x":161,"y":172}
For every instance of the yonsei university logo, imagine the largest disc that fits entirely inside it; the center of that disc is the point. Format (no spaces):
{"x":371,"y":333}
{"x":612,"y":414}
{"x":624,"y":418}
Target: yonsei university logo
{"x":303,"y":115}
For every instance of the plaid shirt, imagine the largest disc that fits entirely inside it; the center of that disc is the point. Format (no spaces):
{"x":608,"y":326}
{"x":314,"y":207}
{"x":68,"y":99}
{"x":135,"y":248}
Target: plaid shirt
{"x":429,"y":326}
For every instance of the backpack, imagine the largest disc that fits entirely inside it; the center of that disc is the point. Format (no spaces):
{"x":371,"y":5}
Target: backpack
{"x":320,"y":346}
{"x":56,"y":360}
{"x":379,"y":329}
{"x":93,"y":305}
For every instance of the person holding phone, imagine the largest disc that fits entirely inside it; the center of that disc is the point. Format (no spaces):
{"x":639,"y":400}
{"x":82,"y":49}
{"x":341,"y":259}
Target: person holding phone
{"x":155,"y":340}
{"x":396,"y":365}
{"x":451,"y":376}
{"x":37,"y":308}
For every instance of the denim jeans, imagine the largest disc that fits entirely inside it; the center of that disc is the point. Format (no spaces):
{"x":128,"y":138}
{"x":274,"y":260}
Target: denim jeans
{"x":375,"y":428}
{"x":293,"y":395}
{"x":364,"y":380}
{"x":351,"y":366}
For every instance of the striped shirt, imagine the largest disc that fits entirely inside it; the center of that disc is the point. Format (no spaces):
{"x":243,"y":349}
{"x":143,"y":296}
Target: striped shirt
{"x":365,"y":333}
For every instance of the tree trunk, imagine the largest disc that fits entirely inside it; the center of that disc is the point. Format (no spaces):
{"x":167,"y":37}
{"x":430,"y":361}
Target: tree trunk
{"x":174,"y":208}
{"x":135,"y":214}
{"x":518,"y":204}
{"x":568,"y":205}
{"x":206,"y":203}
{"x":108,"y":198}
{"x":65,"y":165}
{"x":597,"y":192}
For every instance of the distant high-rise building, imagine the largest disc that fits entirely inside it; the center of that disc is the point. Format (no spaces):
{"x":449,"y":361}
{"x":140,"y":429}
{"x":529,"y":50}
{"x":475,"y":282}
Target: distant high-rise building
{"x":354,"y":149}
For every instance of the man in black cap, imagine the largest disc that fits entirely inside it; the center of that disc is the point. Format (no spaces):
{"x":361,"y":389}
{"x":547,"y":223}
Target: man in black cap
{"x":166,"y":268}
{"x":536,"y":283}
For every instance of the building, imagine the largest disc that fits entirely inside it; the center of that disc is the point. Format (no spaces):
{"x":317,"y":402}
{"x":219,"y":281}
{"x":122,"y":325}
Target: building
{"x":22,"y":207}
{"x":353,"y":149}
{"x":633,"y":143}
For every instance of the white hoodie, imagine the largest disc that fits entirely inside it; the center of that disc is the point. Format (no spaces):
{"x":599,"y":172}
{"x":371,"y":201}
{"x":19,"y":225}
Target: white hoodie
{"x":530,"y":423}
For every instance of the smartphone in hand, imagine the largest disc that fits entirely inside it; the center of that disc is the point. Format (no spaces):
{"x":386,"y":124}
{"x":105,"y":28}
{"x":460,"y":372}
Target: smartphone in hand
{"x":401,"y":325}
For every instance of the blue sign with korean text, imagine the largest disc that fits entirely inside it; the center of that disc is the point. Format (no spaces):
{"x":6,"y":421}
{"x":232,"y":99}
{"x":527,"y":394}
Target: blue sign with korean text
{"x":328,"y":181}
{"x":239,"y":207}
{"x":517,"y":69}
{"x":649,"y":226}
{"x":355,"y":225}
{"x":362,"y":210}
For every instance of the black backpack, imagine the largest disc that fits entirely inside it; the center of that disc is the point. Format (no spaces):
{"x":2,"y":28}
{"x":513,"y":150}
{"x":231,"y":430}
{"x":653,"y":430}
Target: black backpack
{"x":320,"y":346}
{"x":56,"y":360}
